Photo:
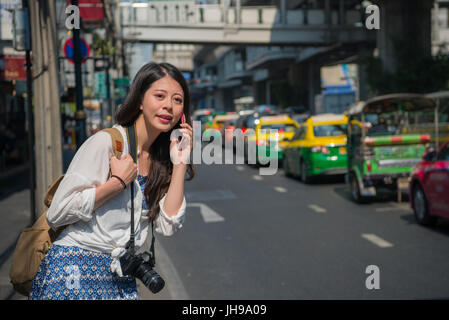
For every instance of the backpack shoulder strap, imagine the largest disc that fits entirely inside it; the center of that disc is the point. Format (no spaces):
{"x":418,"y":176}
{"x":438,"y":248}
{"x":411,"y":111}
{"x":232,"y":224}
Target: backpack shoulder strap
{"x":52,"y":190}
{"x":117,"y":143}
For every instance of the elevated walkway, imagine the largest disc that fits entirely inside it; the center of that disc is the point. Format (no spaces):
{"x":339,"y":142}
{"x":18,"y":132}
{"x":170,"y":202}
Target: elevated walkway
{"x":188,"y":22}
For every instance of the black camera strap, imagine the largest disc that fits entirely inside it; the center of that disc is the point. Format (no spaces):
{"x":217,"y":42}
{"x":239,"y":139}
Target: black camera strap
{"x":132,"y":143}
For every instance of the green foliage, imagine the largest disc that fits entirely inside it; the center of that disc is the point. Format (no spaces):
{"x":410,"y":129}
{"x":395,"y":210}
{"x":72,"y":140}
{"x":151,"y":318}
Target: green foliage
{"x":100,"y":44}
{"x":414,"y":73}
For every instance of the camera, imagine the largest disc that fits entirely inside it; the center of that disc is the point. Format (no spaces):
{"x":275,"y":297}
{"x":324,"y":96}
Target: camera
{"x":141,"y":266}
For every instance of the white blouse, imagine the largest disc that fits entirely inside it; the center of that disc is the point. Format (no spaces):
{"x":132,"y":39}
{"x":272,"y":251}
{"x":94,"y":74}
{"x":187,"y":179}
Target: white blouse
{"x":106,"y":229}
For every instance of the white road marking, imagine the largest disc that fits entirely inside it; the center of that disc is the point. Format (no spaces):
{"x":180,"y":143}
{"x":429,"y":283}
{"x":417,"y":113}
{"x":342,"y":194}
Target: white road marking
{"x":280,"y":189}
{"x":208,"y":214}
{"x":240,"y":168}
{"x":376,"y":240}
{"x":257,"y":177}
{"x":316,"y":208}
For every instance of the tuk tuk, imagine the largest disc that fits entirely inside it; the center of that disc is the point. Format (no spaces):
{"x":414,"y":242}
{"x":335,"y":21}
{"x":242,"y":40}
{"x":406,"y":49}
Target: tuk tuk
{"x":441,"y":117}
{"x":387,"y":137}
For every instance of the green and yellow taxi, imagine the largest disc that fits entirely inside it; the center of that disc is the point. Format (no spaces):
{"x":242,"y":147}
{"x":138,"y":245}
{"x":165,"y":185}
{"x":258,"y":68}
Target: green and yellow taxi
{"x":317,"y":148}
{"x":268,"y":129}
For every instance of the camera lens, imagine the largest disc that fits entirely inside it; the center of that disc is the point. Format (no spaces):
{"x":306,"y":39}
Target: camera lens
{"x":153,"y":281}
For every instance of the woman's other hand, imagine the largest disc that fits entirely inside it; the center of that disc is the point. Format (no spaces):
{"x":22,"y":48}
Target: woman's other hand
{"x":125,"y":168}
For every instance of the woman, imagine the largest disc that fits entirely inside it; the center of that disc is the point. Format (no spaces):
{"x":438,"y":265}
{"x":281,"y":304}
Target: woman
{"x":84,"y":262}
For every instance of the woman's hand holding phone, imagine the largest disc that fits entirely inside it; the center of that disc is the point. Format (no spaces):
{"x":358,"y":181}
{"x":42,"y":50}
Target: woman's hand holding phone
{"x":180,"y":150}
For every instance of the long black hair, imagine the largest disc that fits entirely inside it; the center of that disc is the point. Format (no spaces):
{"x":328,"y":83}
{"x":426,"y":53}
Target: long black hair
{"x":161,"y":167}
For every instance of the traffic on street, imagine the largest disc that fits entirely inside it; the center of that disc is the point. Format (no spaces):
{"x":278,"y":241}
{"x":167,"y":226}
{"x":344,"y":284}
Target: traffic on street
{"x":273,"y":237}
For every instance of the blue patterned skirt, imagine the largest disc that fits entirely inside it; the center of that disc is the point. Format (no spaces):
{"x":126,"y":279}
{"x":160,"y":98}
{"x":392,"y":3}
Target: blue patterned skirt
{"x":73,"y":273}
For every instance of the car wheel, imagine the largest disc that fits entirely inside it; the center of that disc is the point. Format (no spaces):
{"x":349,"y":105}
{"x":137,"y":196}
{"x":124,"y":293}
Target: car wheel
{"x":355,"y":190}
{"x":304,"y":176}
{"x":257,"y":164}
{"x":286,"y":168}
{"x":420,"y":207}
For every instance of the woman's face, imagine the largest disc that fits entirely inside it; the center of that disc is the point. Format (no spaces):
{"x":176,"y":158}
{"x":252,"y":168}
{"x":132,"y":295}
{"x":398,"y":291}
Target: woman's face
{"x":163,"y":104}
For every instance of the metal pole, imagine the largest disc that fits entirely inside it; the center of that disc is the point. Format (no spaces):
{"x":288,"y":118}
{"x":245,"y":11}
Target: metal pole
{"x":108,"y":92}
{"x":80,"y":115}
{"x":341,"y":13}
{"x":29,"y":106}
{"x":108,"y":84}
{"x":283,"y":12}
{"x":437,"y":129}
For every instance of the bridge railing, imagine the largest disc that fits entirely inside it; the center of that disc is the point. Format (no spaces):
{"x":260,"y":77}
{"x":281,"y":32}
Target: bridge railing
{"x":188,"y":13}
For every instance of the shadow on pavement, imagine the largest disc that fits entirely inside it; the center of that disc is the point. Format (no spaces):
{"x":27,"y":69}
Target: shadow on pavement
{"x":319,"y":180}
{"x":441,"y":226}
{"x":383,"y":198}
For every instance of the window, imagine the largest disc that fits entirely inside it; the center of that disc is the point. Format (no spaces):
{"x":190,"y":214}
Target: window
{"x":251,"y":122}
{"x":330,"y":130}
{"x":298,"y":134}
{"x":281,"y":127}
{"x":302,"y":136}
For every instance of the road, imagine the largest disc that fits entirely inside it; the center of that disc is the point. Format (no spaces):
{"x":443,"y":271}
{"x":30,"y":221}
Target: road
{"x":248,"y":236}
{"x":281,"y":239}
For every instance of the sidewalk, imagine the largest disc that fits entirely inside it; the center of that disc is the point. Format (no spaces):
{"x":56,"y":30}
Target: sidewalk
{"x":15,"y":215}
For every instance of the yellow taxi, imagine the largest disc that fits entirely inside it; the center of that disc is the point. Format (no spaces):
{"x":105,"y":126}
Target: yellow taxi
{"x":284,"y":128}
{"x":318,"y":147}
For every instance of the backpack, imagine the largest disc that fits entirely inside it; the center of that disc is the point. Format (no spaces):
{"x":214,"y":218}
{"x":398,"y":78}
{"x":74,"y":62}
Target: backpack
{"x":35,"y":242}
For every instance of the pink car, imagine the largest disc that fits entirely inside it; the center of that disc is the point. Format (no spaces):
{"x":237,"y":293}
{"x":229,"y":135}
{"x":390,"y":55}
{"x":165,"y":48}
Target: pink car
{"x":429,"y":187}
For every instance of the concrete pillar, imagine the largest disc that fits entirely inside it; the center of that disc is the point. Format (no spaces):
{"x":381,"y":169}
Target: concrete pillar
{"x":362,"y":84}
{"x":403,"y":23}
{"x":314,"y":83}
{"x":47,"y":117}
